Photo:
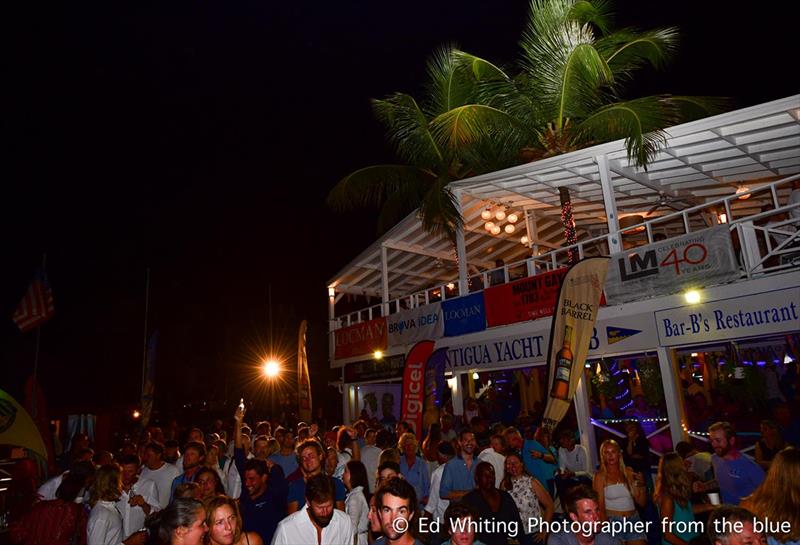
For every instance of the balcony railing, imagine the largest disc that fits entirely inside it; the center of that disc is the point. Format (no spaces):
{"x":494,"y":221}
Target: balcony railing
{"x":763,"y":249}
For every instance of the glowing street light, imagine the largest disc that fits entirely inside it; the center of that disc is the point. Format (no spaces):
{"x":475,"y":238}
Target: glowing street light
{"x":136,"y":414}
{"x":378,"y":354}
{"x":692,"y":297}
{"x":272,"y":368}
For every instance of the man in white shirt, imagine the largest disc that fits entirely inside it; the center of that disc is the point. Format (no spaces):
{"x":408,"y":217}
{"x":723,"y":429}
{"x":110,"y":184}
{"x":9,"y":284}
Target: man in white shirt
{"x":82,"y":470}
{"x":139,"y":496}
{"x":318,"y":522}
{"x":573,"y":464}
{"x":159,"y":471}
{"x":436,"y":505}
{"x":494,"y":455}
{"x":370,"y":455}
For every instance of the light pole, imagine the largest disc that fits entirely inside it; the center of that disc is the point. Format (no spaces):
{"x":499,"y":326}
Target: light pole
{"x":272,"y":369}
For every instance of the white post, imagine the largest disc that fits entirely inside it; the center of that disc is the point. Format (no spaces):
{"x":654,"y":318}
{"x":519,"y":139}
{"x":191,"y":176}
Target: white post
{"x":671,"y":394}
{"x":385,"y":278}
{"x":331,"y":323}
{"x":458,"y":396}
{"x":750,"y":252}
{"x":461,"y":251}
{"x":583,"y":412}
{"x":614,"y":239}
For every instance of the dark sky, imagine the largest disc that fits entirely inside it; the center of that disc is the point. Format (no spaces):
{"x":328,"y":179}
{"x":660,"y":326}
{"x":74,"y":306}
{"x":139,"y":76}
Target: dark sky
{"x":200,"y":138}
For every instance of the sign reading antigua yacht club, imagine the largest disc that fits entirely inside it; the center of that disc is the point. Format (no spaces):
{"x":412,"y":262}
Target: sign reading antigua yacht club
{"x":416,"y":324}
{"x":526,"y":299}
{"x":698,"y":259}
{"x":361,"y":338}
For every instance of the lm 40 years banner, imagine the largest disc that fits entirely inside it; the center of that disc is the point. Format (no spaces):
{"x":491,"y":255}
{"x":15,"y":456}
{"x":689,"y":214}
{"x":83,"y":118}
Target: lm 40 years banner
{"x":574,"y":317}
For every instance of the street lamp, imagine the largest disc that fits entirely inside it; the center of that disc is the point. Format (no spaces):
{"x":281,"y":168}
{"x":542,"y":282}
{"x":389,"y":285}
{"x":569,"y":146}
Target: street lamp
{"x":272,"y":368}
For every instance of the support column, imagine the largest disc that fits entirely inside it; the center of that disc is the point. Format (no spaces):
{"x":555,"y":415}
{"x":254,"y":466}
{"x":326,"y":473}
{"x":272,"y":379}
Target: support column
{"x":385,"y":278}
{"x":461,"y":251}
{"x":331,"y":323}
{"x":583,"y":412}
{"x":458,"y":396}
{"x":614,"y":236}
{"x":672,"y":393}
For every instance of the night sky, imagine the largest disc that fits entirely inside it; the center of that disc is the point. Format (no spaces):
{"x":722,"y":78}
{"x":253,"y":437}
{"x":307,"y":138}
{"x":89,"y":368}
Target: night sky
{"x":200,"y":139}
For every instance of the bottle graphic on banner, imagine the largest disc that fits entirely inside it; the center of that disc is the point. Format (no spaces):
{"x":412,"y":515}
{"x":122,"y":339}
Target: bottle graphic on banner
{"x":563,"y":367}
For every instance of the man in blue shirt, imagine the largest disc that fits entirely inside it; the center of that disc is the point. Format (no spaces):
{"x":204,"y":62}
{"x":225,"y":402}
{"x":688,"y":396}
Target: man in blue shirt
{"x":414,"y":469}
{"x":539,"y":458}
{"x":285,"y":457}
{"x":311,"y":456}
{"x":458,"y":477}
{"x":736,"y":475}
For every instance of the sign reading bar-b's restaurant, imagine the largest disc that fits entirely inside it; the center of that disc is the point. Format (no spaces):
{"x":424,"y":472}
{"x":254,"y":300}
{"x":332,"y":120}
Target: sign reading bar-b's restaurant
{"x":361,"y":338}
{"x":698,"y":259}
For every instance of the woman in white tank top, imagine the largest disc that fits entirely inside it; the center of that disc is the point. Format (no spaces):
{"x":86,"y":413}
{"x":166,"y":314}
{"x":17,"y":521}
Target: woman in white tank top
{"x":619,"y":491}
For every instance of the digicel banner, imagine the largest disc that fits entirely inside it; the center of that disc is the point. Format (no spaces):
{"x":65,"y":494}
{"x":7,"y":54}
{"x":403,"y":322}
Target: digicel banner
{"x":414,"y":384}
{"x":522,"y":300}
{"x":362,"y":338}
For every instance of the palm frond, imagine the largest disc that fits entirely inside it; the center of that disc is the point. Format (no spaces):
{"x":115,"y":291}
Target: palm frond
{"x":628,"y":50}
{"x":690,"y":108}
{"x":466,"y":125}
{"x":372,"y":186}
{"x":596,"y":13}
{"x":639,"y":122}
{"x":439,"y":210}
{"x":482,"y":70}
{"x":451,"y":84}
{"x":407,"y":130}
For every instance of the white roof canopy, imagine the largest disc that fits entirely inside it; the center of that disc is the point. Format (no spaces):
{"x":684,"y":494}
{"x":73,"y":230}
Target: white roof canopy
{"x":702,"y":161}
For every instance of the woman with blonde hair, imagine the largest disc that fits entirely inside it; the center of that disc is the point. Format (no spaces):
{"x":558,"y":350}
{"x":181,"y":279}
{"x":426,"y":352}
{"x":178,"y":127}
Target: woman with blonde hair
{"x":778,"y":496}
{"x":224,"y":523}
{"x":105,"y":523}
{"x":619,"y":491}
{"x":673,"y":493}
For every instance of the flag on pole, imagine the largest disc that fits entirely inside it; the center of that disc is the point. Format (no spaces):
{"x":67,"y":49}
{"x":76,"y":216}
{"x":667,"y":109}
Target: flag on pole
{"x":149,"y":384}
{"x":36,"y":307}
{"x":303,"y":378}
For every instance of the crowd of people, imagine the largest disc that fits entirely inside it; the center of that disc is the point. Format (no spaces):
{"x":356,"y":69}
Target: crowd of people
{"x":465,"y":483}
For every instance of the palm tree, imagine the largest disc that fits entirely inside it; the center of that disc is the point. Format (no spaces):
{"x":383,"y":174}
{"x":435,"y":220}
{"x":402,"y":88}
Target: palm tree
{"x":422,"y":182}
{"x":478,"y":118}
{"x":573,"y":72}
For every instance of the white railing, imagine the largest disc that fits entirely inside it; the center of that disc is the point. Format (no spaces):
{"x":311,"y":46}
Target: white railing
{"x":778,"y":239}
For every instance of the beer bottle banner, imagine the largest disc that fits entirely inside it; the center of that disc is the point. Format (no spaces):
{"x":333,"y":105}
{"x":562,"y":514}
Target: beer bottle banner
{"x":571,"y":331}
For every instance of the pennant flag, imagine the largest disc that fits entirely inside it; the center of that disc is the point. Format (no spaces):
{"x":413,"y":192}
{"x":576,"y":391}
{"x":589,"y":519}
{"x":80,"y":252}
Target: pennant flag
{"x":18,"y":428}
{"x":36,"y":307}
{"x":149,"y":385}
{"x":571,"y":331}
{"x":617,"y":334}
{"x":303,"y":378}
{"x":414,"y":385}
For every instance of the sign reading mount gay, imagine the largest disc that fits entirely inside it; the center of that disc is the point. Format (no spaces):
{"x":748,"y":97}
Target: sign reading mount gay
{"x":698,"y":259}
{"x":526,"y":299}
{"x":416,"y":324}
{"x":362,"y":338}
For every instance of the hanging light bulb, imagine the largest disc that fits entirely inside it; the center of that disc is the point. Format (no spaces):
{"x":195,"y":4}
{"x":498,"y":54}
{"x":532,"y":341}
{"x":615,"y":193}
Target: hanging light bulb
{"x":510,"y":228}
{"x":486,"y":214}
{"x":513,"y":218}
{"x":496,"y":230}
{"x":500,"y":215}
{"x":524,"y":240}
{"x":741,"y":190}
{"x":489,"y":226}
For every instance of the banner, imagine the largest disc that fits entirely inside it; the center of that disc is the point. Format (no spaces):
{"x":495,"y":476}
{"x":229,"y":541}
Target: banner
{"x":416,"y":324}
{"x":571,"y":332}
{"x":698,"y":259}
{"x":303,"y":379}
{"x":413,"y":385}
{"x":526,"y":299}
{"x":386,"y":368}
{"x":435,"y":384}
{"x":362,"y":338}
{"x":149,"y":384}
{"x":464,"y":315}
{"x":18,"y":428}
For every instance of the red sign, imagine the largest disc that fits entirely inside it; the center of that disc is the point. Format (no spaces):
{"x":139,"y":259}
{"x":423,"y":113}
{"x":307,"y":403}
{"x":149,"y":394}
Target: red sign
{"x":414,"y":385}
{"x":359,"y":339}
{"x":526,"y":299}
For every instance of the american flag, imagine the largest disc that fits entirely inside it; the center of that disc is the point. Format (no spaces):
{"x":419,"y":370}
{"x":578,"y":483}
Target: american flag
{"x":36,"y":307}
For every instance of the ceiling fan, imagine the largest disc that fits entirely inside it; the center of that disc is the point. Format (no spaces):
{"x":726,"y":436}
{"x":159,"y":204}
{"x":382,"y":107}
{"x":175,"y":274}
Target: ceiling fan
{"x":668,"y":201}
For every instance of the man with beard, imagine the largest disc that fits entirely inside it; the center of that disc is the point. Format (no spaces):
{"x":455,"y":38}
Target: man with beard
{"x":318,"y":523}
{"x":139,"y":496}
{"x":396,"y":504}
{"x":737,"y":476}
{"x":458,"y":477}
{"x":193,"y":455}
{"x":159,"y":471}
{"x":263,"y":500}
{"x":311,"y":456}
